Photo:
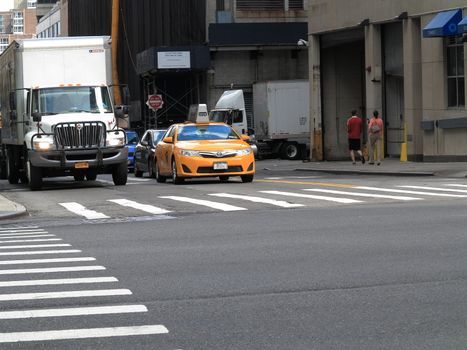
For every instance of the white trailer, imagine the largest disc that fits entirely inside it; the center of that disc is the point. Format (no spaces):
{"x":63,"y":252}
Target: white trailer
{"x":281,"y":117}
{"x":58,"y":113}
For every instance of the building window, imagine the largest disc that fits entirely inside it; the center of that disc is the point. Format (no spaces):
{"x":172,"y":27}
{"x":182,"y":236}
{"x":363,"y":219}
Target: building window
{"x":455,"y":72}
{"x":3,"y":44}
{"x":32,"y":4}
{"x":267,"y":5}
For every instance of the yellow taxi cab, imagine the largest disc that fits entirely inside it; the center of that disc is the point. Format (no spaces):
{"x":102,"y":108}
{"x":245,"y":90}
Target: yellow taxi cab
{"x":203,"y":149}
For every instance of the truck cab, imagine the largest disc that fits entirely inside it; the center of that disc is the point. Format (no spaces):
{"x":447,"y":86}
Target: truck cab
{"x":230,"y":109}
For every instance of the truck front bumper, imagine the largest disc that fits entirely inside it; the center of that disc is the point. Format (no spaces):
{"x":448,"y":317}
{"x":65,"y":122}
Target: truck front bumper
{"x":73,"y":159}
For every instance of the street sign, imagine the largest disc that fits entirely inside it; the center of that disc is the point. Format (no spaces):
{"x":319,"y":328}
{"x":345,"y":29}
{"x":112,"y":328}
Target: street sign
{"x":155,"y":102}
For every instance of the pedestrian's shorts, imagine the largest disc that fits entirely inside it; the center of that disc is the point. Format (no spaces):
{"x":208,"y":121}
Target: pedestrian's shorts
{"x":354,"y":144}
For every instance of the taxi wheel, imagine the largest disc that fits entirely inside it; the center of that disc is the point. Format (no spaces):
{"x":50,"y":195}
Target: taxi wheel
{"x":224,"y":178}
{"x":159,"y":177}
{"x":175,"y":178}
{"x":247,"y":178}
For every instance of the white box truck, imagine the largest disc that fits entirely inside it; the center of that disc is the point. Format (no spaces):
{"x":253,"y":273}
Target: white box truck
{"x":58,"y":113}
{"x":281,"y":117}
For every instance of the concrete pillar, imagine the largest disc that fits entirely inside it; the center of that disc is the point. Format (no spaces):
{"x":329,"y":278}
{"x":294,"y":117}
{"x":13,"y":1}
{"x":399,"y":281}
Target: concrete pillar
{"x":413,"y":98}
{"x":316,"y":117}
{"x":373,"y":70}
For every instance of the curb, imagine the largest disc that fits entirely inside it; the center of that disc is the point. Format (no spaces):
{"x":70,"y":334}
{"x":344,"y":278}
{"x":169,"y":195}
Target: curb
{"x":366,"y":172}
{"x":19,"y":210}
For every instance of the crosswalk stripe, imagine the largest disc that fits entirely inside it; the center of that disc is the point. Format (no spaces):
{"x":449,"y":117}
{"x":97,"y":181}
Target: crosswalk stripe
{"x":51,"y":269}
{"x":144,"y":207}
{"x":66,"y":294}
{"x":82,"y":333}
{"x":44,"y":261}
{"x":456,"y":185}
{"x":408,"y":191}
{"x":138,"y":180}
{"x":35,"y":246}
{"x":32,"y":240}
{"x":23,"y":233}
{"x":57,"y":281}
{"x":371,"y":195}
{"x":433,"y":188}
{"x":83,"y":211}
{"x":15,"y":230}
{"x":16,"y":236}
{"x":311,"y":196}
{"x":210,"y":204}
{"x":20,"y":228}
{"x":41,"y":252}
{"x":282,"y":204}
{"x":76,"y":311}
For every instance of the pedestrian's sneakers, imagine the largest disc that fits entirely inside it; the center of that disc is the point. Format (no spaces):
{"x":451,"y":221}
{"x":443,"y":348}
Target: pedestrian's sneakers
{"x":354,"y":163}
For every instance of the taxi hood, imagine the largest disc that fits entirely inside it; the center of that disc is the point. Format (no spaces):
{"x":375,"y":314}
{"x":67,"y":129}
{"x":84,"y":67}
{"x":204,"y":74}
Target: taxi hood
{"x":213,"y":145}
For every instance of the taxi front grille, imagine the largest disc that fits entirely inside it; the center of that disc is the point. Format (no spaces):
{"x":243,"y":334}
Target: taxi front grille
{"x":220,"y":154}
{"x":209,"y":169}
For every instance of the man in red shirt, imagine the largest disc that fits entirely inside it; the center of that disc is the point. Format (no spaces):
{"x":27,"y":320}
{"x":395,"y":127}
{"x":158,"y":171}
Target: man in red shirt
{"x":354,"y":130}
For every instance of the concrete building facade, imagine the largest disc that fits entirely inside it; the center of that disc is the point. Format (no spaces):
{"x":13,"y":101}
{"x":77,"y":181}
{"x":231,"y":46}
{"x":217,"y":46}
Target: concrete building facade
{"x":372,"y":55}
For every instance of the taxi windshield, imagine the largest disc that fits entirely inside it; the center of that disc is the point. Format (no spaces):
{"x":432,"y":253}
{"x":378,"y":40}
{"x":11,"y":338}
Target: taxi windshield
{"x":206,"y":132}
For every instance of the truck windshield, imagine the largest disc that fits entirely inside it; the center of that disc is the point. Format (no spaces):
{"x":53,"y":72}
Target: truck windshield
{"x":71,"y":99}
{"x":219,"y":116}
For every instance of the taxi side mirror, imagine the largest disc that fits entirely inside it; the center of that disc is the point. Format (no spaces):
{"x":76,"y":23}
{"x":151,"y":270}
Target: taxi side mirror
{"x":245,"y":137}
{"x":168,"y":140}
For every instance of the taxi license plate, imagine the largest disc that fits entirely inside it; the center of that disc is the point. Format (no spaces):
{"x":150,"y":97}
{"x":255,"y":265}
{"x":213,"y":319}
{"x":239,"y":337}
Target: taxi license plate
{"x":220,"y":166}
{"x":82,"y":165}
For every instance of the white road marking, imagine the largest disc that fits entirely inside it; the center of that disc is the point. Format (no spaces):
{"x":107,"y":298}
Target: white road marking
{"x":35,"y":246}
{"x":82,"y":333}
{"x":18,"y":229}
{"x":51,"y":269}
{"x":456,"y":185}
{"x":433,"y":188}
{"x":64,"y":295}
{"x":23,"y":233}
{"x":78,"y":209}
{"x":16,"y":236}
{"x":32,"y":240}
{"x":144,"y":207}
{"x":58,"y":281}
{"x":76,"y":311}
{"x":408,"y":192}
{"x":282,"y":204}
{"x":44,"y":261}
{"x":325,"y":198}
{"x":108,"y":182}
{"x":41,"y":252}
{"x":210,"y":204}
{"x":138,"y":179}
{"x":358,"y":194}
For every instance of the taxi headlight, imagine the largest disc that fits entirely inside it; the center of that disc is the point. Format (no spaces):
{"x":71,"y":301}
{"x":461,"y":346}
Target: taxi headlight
{"x":43,"y":143}
{"x":189,"y":153}
{"x":244,"y":152}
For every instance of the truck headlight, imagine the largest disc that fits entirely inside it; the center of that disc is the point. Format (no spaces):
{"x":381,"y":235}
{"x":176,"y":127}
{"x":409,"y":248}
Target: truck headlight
{"x":116,"y":141}
{"x":244,"y":152}
{"x":43,"y":143}
{"x":189,"y":153}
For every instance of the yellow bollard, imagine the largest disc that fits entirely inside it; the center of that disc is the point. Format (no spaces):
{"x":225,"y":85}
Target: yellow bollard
{"x":404,"y":145}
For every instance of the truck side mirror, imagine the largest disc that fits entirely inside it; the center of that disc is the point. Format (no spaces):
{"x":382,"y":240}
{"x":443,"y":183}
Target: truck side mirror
{"x":13,"y":100}
{"x":36,"y":117}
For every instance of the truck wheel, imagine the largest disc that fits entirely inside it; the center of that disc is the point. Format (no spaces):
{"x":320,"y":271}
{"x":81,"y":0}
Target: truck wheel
{"x":290,"y":151}
{"x":159,"y":178}
{"x":91,"y":175}
{"x":247,"y":178}
{"x":79,"y":177}
{"x":177,"y":180}
{"x":12,"y":168}
{"x":34,"y":176}
{"x":120,"y":174}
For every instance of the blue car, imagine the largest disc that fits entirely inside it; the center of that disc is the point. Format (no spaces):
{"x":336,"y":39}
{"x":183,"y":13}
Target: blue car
{"x":132,"y":140}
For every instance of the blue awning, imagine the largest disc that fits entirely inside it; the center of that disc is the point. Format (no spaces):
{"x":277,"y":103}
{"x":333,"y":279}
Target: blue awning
{"x":462,"y":26}
{"x":443,"y":24}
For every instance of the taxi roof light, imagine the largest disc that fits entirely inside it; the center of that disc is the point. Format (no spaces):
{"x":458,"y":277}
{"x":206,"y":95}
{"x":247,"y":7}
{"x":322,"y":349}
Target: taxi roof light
{"x":198,"y":113}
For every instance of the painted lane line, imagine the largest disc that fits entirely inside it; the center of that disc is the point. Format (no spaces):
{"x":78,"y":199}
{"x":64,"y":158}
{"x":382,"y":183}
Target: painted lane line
{"x":210,"y":204}
{"x":51,"y":269}
{"x":58,"y":281}
{"x":82,"y":333}
{"x":325,"y":198}
{"x":358,"y":194}
{"x":282,"y":204}
{"x":44,"y":261}
{"x":32,"y":240}
{"x":35,"y":246}
{"x":15,"y":236}
{"x":76,"y":311}
{"x":456,"y":185}
{"x":22,"y":233}
{"x":434,"y":188}
{"x":41,"y":252}
{"x":78,"y":209}
{"x":144,"y":207}
{"x":64,"y":295}
{"x":408,"y":192}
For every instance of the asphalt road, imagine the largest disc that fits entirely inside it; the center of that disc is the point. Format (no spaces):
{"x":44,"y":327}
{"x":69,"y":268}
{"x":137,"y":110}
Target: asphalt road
{"x":381,"y":273}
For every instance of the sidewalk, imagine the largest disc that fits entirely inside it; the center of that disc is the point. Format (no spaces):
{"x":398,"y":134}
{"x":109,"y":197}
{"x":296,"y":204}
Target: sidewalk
{"x":9,"y":209}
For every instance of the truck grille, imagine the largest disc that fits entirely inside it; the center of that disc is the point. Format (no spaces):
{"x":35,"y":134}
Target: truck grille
{"x":80,"y":135}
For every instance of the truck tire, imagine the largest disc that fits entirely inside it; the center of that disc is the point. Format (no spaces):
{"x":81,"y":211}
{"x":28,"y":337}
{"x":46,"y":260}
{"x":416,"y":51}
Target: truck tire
{"x":91,"y":175}
{"x":120,"y":174}
{"x":12,"y":168}
{"x":290,"y":150}
{"x":34,"y":176}
{"x":79,"y":177}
